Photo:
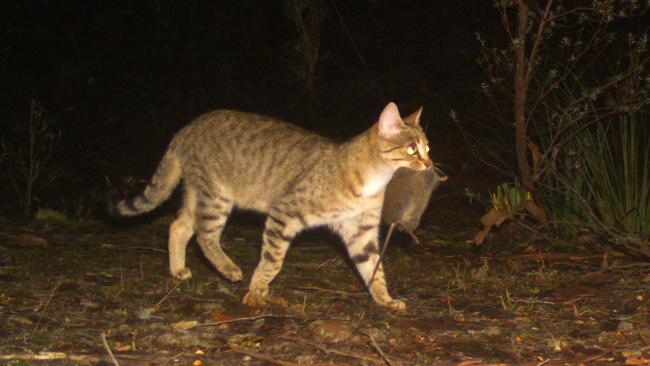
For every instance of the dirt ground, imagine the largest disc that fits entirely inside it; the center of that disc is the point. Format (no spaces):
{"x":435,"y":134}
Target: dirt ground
{"x":72,"y":292}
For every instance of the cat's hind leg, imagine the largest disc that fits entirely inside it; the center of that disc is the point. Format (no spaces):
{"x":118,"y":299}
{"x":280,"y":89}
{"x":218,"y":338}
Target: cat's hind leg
{"x":180,"y":232}
{"x":361,"y":240}
{"x":279,"y":230}
{"x":212,"y":209}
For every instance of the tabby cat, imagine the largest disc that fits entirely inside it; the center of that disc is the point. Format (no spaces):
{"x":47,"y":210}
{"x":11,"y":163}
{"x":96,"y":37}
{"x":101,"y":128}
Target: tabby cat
{"x":300,"y":179}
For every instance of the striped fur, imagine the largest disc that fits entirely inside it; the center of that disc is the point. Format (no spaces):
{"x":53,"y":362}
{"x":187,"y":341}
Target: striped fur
{"x":228,"y":158}
{"x":160,"y":187}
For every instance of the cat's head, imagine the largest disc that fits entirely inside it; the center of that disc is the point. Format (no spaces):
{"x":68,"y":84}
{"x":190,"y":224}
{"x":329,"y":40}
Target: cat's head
{"x":402,"y":142}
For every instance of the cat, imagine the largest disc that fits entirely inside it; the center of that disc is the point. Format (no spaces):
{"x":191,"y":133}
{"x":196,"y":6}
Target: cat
{"x":299,"y":179}
{"x":407,"y":196}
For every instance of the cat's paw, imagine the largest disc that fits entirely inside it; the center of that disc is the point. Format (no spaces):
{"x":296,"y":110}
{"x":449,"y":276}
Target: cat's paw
{"x":182,"y":274}
{"x":254,"y":300}
{"x":233,"y":273}
{"x":395,"y":304}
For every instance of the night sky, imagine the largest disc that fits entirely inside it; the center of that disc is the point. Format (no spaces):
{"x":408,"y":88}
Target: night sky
{"x":117,"y":79}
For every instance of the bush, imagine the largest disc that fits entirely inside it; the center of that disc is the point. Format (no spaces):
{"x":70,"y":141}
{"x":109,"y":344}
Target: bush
{"x":602,"y":181}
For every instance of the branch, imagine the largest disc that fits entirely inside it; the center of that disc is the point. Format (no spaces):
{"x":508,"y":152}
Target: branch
{"x":536,"y":42}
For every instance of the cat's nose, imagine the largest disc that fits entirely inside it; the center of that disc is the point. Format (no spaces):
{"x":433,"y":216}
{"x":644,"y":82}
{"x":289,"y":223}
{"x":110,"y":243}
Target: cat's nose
{"x":428,"y":164}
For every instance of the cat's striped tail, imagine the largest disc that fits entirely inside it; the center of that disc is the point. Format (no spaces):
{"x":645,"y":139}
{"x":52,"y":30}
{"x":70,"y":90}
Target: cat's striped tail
{"x":160,"y":187}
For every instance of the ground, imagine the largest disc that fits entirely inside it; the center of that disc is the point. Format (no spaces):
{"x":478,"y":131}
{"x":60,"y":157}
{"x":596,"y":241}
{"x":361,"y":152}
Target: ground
{"x":70,"y":292}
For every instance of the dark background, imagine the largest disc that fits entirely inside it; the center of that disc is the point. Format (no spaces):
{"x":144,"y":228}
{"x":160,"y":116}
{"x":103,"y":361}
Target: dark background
{"x":118,"y":78}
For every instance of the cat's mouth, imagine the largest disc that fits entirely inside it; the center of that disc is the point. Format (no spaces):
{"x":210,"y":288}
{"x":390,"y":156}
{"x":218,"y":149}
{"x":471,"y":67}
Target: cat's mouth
{"x":422,"y":164}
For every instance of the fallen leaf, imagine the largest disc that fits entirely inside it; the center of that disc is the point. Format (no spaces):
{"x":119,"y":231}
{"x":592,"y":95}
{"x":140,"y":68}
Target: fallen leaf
{"x":637,"y":361}
{"x":185,"y":324}
{"x":494,"y":217}
{"x":29,"y":239}
{"x":121,"y":347}
{"x":219,"y":317}
{"x":471,"y":363}
{"x":89,"y":304}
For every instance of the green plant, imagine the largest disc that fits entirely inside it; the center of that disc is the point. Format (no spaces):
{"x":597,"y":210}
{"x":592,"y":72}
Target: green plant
{"x":566,"y":85}
{"x":83,"y":205}
{"x":555,"y":55}
{"x":603,"y":182}
{"x":509,"y":197}
{"x":26,"y":158}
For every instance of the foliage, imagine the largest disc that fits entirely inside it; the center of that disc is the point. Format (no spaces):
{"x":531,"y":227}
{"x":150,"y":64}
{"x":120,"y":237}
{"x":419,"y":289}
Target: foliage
{"x":602,"y":181}
{"x":509,"y":197}
{"x":25,"y":160}
{"x":568,"y":73}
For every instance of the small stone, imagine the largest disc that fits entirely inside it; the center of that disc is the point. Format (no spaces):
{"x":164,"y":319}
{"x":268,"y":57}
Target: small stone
{"x":185,"y":324}
{"x":625,"y":327}
{"x":332,"y":330}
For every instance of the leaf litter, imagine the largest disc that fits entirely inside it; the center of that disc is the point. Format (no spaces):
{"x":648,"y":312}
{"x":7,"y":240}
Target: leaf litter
{"x":77,"y":300}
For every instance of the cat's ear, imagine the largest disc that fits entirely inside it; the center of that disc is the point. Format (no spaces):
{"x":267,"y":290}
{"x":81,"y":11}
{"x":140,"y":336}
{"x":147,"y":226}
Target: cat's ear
{"x":390,"y":122}
{"x":414,"y":118}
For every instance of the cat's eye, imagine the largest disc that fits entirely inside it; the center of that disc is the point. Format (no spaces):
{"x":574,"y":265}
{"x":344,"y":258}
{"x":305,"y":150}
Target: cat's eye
{"x":412,"y":149}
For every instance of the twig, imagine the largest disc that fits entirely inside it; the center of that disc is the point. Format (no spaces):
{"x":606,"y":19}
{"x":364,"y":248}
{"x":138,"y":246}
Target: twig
{"x":142,"y":359}
{"x":155,"y":307}
{"x":260,"y":356}
{"x":533,"y":301}
{"x":383,"y":250}
{"x":615,"y":267}
{"x":124,"y":247}
{"x":544,"y":362}
{"x":46,"y":356}
{"x":38,"y":356}
{"x":356,"y":355}
{"x":243,"y":319}
{"x":379,"y":351}
{"x":108,"y":349}
{"x":537,"y":40}
{"x":319,"y":289}
{"x":47,"y":303}
{"x":174,"y":357}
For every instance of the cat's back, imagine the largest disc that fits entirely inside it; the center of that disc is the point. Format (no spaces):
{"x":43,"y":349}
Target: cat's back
{"x":254,"y":156}
{"x":235,"y":127}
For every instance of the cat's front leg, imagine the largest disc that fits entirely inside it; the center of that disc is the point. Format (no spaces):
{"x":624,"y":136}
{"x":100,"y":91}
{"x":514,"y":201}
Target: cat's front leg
{"x":360,"y":236}
{"x":278,"y":233}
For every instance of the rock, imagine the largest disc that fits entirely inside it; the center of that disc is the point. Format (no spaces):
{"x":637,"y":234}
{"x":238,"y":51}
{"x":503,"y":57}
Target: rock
{"x":625,"y":327}
{"x":332,"y":330}
{"x":185,"y":324}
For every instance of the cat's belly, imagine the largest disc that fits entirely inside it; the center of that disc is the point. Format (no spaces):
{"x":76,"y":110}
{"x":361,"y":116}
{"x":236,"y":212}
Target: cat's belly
{"x":258,"y":205}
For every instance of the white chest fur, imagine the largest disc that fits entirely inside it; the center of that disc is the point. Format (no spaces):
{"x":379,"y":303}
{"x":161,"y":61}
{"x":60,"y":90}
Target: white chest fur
{"x":376,"y":183}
